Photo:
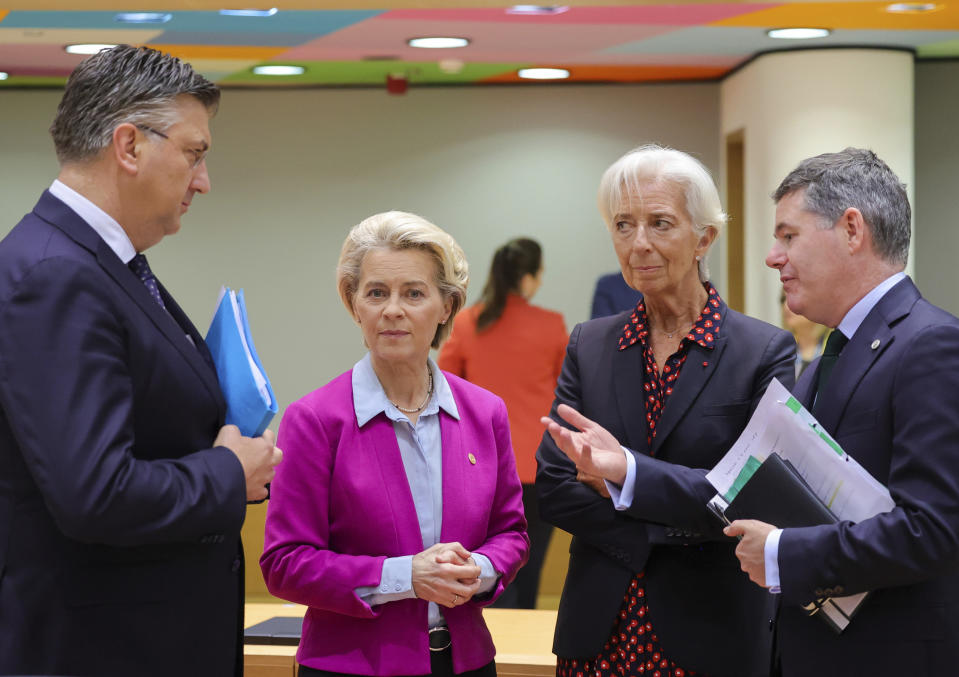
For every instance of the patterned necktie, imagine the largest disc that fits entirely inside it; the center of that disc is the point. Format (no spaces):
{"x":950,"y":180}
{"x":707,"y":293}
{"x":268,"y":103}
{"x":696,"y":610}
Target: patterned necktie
{"x":141,"y":269}
{"x":830,"y":353}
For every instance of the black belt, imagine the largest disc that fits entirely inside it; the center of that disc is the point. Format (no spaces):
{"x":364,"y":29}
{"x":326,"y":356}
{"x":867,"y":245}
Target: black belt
{"x":440,"y":638}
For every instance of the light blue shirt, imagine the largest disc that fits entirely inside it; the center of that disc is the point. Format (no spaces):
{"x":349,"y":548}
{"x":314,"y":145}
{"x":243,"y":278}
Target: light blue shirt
{"x":104,"y":224}
{"x":849,"y":326}
{"x":421,"y":449}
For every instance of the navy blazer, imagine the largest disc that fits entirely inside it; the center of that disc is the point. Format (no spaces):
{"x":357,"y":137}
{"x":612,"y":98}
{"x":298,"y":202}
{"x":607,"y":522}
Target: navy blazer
{"x":119,"y":539}
{"x":612,"y":296}
{"x":892,"y":403}
{"x":707,"y":614}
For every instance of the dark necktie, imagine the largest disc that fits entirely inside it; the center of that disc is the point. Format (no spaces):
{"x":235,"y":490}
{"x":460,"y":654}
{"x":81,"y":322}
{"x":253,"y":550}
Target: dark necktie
{"x":830,"y":353}
{"x":141,"y":269}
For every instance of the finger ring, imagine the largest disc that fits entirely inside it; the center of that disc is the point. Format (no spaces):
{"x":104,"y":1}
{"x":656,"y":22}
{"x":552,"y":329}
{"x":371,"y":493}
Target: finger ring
{"x":455,"y":597}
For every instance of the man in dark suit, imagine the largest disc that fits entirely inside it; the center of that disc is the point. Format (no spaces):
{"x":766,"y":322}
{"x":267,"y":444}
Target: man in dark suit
{"x":612,"y":296}
{"x":121,"y":496}
{"x":889,"y":399}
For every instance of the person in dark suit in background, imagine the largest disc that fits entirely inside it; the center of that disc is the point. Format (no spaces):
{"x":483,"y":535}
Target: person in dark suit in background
{"x":653,"y":584}
{"x":121,"y":496}
{"x":889,"y":400}
{"x":612,"y":296}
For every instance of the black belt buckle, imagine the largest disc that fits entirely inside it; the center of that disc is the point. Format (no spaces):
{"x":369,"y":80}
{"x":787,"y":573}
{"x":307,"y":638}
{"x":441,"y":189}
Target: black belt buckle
{"x":440,"y":638}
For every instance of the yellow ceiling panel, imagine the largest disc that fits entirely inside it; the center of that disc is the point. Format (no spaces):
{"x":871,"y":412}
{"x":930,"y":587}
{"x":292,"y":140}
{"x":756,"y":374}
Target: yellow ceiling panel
{"x":848,"y":15}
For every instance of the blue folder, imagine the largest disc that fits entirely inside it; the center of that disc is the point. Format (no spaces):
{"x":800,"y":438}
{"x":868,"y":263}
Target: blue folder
{"x":250,"y":403}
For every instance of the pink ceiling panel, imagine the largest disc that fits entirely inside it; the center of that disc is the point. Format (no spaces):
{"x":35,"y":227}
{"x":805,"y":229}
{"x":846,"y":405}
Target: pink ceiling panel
{"x":37,"y":59}
{"x":489,"y":41}
{"x":670,"y":15}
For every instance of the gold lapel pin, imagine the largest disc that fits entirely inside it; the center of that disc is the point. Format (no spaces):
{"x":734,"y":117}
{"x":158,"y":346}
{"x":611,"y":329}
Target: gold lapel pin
{"x":471,"y":458}
{"x":875,"y":344}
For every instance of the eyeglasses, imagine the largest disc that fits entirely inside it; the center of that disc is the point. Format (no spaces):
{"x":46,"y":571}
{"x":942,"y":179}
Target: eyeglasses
{"x":198,"y":155}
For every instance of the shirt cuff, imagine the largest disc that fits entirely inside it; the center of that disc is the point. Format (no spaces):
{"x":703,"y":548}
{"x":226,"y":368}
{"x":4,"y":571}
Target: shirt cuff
{"x":396,"y":582}
{"x":771,"y":555}
{"x":488,"y":575}
{"x":623,"y":497}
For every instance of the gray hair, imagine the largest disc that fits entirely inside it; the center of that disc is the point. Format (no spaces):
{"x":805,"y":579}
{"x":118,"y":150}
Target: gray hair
{"x":652,"y":162}
{"x":855,"y":177}
{"x":399,"y":231}
{"x":136,"y":85}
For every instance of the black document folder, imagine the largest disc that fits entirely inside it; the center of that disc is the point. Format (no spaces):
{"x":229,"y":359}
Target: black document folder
{"x":276,"y":630}
{"x":778,"y":495}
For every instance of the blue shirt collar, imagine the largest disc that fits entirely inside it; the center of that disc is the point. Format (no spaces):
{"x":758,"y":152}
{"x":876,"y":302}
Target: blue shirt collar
{"x":369,"y":398}
{"x":850,"y":323}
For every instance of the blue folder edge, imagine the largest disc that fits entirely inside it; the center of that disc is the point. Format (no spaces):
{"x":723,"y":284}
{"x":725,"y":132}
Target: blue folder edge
{"x":272,"y":408}
{"x":245,"y":405}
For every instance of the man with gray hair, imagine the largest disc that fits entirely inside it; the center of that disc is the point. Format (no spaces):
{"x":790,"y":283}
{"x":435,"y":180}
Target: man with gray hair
{"x":122,"y":494}
{"x":885,"y":389}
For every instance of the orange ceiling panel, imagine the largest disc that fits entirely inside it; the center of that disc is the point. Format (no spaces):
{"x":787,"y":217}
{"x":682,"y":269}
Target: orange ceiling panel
{"x":189,"y":52}
{"x":625,"y":74}
{"x":849,"y":15}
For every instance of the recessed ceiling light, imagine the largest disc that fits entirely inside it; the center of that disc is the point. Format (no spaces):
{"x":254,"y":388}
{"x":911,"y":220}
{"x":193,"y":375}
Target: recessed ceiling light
{"x":910,"y":7}
{"x":143,"y":17}
{"x":4,"y":76}
{"x":248,"y":12}
{"x":798,"y":33}
{"x":543,"y":73}
{"x":279,"y":70}
{"x":537,"y":10}
{"x":438,"y":43}
{"x":87,"y":48}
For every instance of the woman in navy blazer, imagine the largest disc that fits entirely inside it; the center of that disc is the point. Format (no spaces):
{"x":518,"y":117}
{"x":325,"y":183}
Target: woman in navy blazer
{"x":653,"y":585}
{"x":399,"y":513}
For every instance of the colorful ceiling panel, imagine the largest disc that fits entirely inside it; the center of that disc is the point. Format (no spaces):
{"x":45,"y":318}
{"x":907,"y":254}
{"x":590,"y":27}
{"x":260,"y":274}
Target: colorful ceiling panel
{"x":365,"y":47}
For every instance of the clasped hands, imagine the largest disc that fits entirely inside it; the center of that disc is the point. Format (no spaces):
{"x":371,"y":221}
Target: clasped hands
{"x":598,"y":456}
{"x":445,"y":573}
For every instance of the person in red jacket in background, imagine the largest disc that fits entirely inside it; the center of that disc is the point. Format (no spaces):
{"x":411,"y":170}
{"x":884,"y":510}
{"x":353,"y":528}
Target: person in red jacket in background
{"x":507,"y":345}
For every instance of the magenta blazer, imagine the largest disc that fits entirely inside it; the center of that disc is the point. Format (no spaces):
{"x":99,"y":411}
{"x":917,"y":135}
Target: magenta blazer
{"x":341,"y":504}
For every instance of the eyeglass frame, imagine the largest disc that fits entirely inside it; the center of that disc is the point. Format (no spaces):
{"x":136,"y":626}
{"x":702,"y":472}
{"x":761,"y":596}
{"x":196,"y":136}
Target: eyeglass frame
{"x":200,"y":155}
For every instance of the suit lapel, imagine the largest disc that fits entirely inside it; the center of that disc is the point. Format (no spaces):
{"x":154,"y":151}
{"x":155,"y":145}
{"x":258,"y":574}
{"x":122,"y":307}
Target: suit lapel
{"x":163,"y":320}
{"x":55,"y":212}
{"x":383,"y":447}
{"x":870,"y":341}
{"x":455,"y":481}
{"x":628,"y":375}
{"x":699,"y":367}
{"x":806,"y":386}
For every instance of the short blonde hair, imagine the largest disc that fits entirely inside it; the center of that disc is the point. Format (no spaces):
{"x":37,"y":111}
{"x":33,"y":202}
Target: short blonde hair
{"x":652,"y":162}
{"x":399,"y":231}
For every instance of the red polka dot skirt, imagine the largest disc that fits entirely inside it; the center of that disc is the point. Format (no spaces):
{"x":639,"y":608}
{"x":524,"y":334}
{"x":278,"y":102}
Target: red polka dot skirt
{"x":632,"y":649}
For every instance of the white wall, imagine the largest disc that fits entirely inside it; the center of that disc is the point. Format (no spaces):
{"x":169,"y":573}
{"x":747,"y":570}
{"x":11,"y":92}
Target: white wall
{"x":792,"y":105}
{"x":937,"y":183}
{"x":292,"y":171}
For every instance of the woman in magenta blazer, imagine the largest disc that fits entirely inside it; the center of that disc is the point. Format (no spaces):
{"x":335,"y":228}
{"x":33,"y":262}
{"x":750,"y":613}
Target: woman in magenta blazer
{"x":397,"y":514}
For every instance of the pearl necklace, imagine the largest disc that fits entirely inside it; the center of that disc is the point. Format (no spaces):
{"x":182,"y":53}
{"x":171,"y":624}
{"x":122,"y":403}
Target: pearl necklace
{"x":429,"y":394}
